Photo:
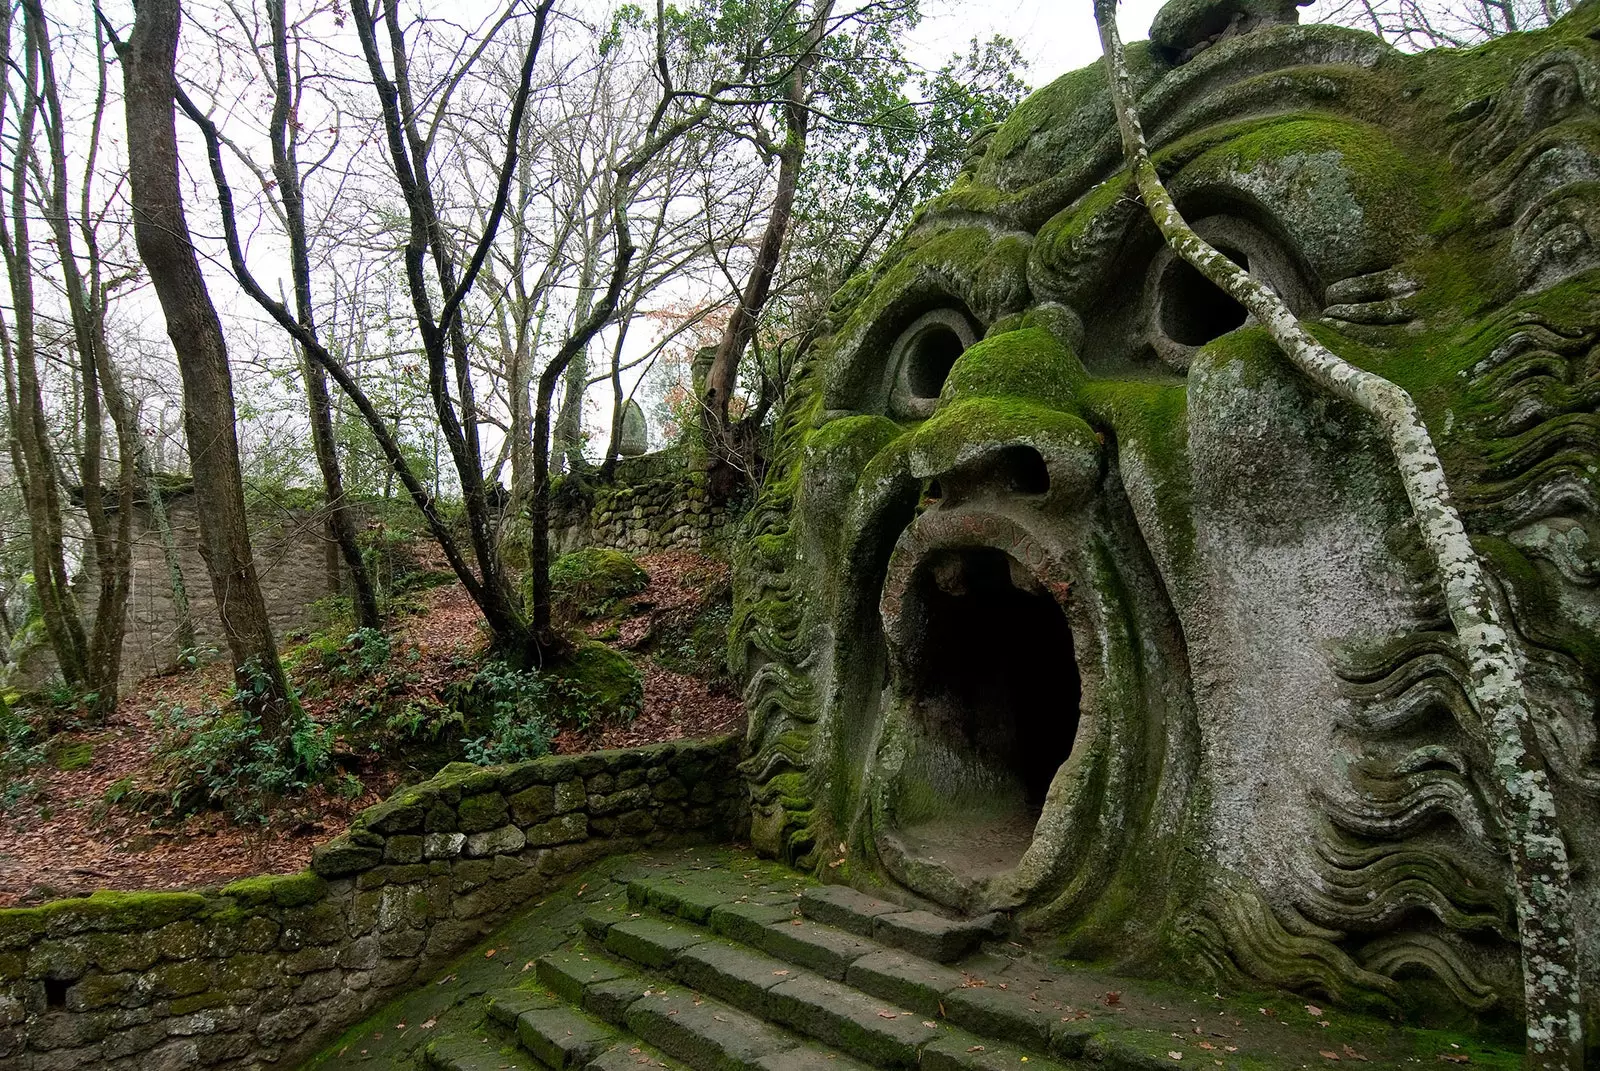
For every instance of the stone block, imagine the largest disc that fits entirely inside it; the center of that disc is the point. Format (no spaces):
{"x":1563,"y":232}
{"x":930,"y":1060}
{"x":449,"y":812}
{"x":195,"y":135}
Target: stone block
{"x":403,"y":848}
{"x":340,"y":857}
{"x":570,"y":796}
{"x":560,"y":830}
{"x":443,"y":845}
{"x":286,"y":1025}
{"x":533,"y":805}
{"x":483,"y":812}
{"x":500,"y":841}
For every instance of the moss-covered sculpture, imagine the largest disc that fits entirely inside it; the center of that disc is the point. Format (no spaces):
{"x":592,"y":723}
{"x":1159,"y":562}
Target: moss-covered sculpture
{"x":1070,"y":597}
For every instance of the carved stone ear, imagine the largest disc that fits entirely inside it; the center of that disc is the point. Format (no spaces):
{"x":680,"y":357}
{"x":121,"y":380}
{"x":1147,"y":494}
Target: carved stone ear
{"x":922,"y":358}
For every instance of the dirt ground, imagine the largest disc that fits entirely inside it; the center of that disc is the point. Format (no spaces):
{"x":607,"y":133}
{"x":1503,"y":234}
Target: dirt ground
{"x":66,"y":841}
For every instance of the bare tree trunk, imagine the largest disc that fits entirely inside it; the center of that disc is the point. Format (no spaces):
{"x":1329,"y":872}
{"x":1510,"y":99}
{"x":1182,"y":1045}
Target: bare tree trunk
{"x":608,"y":469}
{"x":162,"y":235}
{"x":86,"y":301}
{"x":1505,"y":730}
{"x":286,"y":169}
{"x":723,"y":377}
{"x":539,"y":510}
{"x":566,"y":440}
{"x":41,"y":490}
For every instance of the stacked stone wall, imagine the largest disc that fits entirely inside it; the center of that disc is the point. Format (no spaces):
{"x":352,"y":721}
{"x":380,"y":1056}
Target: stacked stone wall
{"x":291,"y":547}
{"x":268,"y":969}
{"x":658,"y":501}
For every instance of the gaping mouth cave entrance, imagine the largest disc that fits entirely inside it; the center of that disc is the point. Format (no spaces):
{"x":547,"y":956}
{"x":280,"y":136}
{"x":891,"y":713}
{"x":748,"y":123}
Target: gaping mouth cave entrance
{"x":994,"y":692}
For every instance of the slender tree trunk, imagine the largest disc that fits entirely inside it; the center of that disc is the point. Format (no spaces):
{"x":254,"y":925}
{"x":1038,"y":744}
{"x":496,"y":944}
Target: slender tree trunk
{"x":286,"y":170}
{"x":1505,"y":726}
{"x":608,"y":470}
{"x":162,"y":235}
{"x":37,"y":464}
{"x":723,"y":377}
{"x":86,"y":300}
{"x":539,"y":510}
{"x":567,"y":437}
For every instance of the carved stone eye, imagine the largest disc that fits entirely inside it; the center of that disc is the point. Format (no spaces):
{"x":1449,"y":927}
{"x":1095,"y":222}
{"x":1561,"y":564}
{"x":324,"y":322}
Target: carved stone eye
{"x":922,"y":358}
{"x":1186,"y":310}
{"x":1192,"y":309}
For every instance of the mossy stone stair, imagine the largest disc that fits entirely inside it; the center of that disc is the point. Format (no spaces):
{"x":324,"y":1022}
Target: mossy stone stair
{"x":709,"y":958}
{"x":714,"y":973}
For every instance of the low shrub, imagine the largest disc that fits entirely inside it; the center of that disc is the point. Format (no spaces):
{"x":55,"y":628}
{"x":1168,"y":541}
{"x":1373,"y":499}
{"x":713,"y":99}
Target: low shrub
{"x":20,"y":751}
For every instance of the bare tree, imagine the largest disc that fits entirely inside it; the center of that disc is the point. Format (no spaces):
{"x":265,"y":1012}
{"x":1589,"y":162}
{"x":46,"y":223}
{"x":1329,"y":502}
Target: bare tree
{"x":87,"y":296}
{"x":162,"y":234}
{"x":33,"y":457}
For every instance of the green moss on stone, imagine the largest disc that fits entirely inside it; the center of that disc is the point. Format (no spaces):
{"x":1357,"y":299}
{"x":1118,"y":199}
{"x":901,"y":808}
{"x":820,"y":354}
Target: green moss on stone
{"x":104,"y":911}
{"x":1028,"y":363}
{"x":285,"y":890}
{"x":589,"y":583}
{"x":605,"y":674}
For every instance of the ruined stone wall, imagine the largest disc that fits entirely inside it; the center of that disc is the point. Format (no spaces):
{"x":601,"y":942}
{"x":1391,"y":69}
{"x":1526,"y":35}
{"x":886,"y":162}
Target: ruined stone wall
{"x":292,"y":560}
{"x":268,"y":969}
{"x":657,"y":502}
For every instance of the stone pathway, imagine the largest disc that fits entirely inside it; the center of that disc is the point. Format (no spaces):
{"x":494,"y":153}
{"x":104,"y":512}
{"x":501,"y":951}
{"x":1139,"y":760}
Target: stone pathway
{"x":713,"y":960}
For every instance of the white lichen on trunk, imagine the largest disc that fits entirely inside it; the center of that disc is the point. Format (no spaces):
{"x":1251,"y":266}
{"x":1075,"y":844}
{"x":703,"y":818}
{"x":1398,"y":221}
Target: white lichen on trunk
{"x":1506,"y":726}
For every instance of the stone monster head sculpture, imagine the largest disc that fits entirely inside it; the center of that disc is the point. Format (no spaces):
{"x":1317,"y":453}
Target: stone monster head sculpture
{"x":1068,"y":596}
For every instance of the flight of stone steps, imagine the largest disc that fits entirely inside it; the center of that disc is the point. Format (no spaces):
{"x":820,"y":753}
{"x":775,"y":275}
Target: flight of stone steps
{"x":719,"y":974}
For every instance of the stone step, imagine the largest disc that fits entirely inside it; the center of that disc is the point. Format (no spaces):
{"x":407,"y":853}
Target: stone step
{"x":473,"y":1053}
{"x":850,"y":1004}
{"x":773,"y":957}
{"x":907,"y":981}
{"x":922,"y":933}
{"x":702,"y":1032}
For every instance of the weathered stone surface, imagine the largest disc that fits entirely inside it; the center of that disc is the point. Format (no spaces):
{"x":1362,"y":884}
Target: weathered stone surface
{"x":824,"y":949}
{"x":907,"y":980}
{"x":500,"y":841}
{"x":703,"y":1033}
{"x":857,"y":1024}
{"x":562,"y":1038}
{"x":649,"y":941}
{"x":443,"y":845}
{"x":845,"y":908}
{"x":563,"y":830}
{"x":1061,"y":541}
{"x":477,"y":813}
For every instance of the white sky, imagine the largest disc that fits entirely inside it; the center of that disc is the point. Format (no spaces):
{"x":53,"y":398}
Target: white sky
{"x":1054,"y":36}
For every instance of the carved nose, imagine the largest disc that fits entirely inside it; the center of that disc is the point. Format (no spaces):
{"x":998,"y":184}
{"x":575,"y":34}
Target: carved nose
{"x":1013,"y":470}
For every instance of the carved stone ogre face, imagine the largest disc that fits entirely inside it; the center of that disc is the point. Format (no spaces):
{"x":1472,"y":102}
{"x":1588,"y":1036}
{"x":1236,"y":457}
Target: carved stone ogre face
{"x":1068,"y":596}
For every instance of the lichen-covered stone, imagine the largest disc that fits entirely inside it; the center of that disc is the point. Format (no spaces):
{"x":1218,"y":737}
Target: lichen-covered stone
{"x":478,"y":813}
{"x":500,"y":841}
{"x":341,"y":857}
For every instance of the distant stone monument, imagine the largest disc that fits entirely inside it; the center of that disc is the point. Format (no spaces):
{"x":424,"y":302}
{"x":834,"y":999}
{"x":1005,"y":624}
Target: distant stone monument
{"x":1069,"y":596}
{"x":635,"y":438}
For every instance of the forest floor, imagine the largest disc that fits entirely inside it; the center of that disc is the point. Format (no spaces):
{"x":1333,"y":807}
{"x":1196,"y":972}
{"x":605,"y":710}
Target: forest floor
{"x":66,"y":839}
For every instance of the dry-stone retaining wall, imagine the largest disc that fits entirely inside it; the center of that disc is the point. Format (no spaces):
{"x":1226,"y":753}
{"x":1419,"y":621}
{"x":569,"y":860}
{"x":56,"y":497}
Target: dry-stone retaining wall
{"x":266,"y":969}
{"x":657,"y":502}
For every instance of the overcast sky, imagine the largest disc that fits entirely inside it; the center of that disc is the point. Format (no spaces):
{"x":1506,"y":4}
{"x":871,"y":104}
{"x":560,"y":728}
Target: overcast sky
{"x":1055,"y":36}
